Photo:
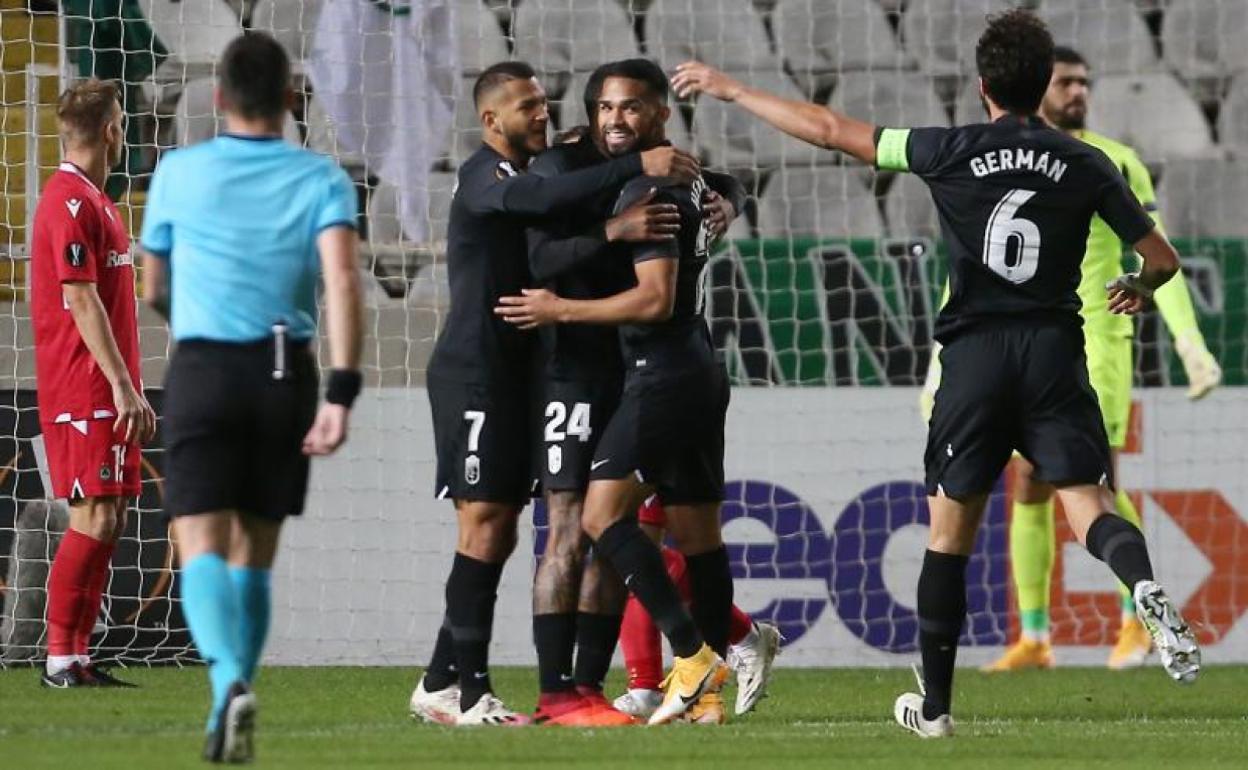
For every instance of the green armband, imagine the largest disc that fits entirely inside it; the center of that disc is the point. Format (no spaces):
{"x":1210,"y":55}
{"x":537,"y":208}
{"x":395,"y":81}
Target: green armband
{"x":890,"y":151}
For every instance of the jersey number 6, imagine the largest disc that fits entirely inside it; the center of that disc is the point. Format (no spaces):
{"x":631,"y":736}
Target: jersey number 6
{"x":1009,"y":236}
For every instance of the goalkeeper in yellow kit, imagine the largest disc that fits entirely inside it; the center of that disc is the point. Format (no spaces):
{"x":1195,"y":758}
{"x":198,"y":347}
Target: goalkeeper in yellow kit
{"x":1109,"y":353}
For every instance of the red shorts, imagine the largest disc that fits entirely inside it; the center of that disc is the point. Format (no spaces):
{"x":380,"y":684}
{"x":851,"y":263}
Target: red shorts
{"x":85,"y":459}
{"x":651,"y":512}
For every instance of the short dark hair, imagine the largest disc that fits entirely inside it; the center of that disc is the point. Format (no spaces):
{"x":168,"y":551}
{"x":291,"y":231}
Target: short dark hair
{"x":1015,"y":60}
{"x":496,"y":75}
{"x":254,"y":76}
{"x":85,"y":108}
{"x":1064,"y":54}
{"x":634,"y":69}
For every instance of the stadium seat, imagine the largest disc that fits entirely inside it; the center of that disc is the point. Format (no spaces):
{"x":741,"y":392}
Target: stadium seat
{"x":572,"y":35}
{"x":1233,"y":117}
{"x":909,"y":210}
{"x":465,"y":126}
{"x":194,"y":32}
{"x":942,"y":34}
{"x":323,"y":138}
{"x":889,"y":99}
{"x":821,"y":38}
{"x":827,"y":202}
{"x":196,"y":119}
{"x":728,"y":34}
{"x":291,"y":22}
{"x":1204,"y":197}
{"x":729,"y":137}
{"x":481,"y":41}
{"x":1205,"y":38}
{"x":1110,"y":34}
{"x":967,"y":107}
{"x":1175,"y":126}
{"x":383,"y":210}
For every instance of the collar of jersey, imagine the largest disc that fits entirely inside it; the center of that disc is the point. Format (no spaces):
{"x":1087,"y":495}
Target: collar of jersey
{"x":72,"y":168}
{"x":1030,"y":120}
{"x":253,"y":137}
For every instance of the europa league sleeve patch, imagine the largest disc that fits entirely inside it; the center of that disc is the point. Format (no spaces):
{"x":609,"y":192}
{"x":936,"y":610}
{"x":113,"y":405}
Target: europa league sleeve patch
{"x":75,"y":254}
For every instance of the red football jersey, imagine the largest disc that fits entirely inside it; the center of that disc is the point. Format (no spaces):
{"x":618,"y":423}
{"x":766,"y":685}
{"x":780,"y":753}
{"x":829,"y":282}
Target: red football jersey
{"x":79,"y":236}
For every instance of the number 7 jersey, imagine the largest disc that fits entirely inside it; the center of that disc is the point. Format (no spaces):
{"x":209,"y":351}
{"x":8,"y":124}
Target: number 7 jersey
{"x":1015,"y":200}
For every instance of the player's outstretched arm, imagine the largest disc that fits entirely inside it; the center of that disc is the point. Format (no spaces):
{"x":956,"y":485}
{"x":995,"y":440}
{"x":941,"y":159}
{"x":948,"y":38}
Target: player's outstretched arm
{"x":1129,"y":294}
{"x":338,"y":247}
{"x":650,"y":301}
{"x":134,"y":414}
{"x":809,"y":122}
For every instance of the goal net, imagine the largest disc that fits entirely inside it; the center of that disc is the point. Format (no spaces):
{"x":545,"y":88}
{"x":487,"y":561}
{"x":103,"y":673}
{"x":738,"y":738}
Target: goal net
{"x":822,"y":299}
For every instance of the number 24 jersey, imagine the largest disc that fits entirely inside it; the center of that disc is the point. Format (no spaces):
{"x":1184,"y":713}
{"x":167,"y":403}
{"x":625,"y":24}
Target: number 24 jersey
{"x":1015,"y":200}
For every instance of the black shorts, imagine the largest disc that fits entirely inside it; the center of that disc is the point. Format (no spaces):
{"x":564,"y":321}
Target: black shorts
{"x":233,"y":435}
{"x":1015,"y":386}
{"x":669,"y":430}
{"x":573,"y":416}
{"x":481,"y":436}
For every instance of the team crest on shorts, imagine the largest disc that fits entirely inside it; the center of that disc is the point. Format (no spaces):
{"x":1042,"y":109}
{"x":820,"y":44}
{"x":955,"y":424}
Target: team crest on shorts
{"x":554,"y":459}
{"x":105,"y":472}
{"x":472,"y":469}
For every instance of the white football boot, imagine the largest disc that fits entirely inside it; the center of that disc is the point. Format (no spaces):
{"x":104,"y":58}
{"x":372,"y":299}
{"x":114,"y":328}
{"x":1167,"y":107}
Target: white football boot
{"x":441,"y":707}
{"x":490,"y":711}
{"x":1174,"y":640}
{"x":752,"y":660}
{"x":908,"y":711}
{"x":639,"y":703}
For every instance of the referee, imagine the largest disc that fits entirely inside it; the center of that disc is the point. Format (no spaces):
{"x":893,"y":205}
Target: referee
{"x":236,"y":231}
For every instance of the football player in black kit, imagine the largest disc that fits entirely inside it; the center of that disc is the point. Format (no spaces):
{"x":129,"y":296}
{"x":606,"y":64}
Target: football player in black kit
{"x":578,"y":604}
{"x":478,"y":375}
{"x":667,"y":433}
{"x":1015,"y":199}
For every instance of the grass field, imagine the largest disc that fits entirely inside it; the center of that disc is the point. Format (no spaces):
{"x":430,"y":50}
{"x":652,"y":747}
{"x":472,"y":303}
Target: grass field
{"x":357,"y":718}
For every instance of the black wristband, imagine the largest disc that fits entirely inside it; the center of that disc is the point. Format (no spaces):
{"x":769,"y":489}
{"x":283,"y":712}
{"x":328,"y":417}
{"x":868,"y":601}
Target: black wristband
{"x":344,"y":386}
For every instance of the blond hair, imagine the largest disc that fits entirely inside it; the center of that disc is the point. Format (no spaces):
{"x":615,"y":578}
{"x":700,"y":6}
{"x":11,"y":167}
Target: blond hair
{"x":85,"y":109}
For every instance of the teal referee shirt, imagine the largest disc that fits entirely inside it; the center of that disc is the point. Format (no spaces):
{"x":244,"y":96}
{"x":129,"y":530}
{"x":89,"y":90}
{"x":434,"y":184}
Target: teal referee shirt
{"x":237,"y":219}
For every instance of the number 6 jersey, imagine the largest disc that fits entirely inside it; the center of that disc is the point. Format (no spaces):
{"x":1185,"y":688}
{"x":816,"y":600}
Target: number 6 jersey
{"x":1015,"y":200}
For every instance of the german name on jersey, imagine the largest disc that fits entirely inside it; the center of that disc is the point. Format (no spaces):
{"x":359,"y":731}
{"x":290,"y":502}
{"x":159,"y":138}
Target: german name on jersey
{"x":1015,"y":199}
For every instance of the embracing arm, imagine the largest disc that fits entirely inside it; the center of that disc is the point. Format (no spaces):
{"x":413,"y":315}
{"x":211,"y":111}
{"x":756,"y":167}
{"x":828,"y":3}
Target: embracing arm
{"x":650,"y":301}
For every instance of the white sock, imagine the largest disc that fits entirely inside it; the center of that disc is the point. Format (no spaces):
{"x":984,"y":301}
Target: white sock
{"x":750,"y":639}
{"x":83,"y":660}
{"x":58,"y":663}
{"x":1037,"y":636}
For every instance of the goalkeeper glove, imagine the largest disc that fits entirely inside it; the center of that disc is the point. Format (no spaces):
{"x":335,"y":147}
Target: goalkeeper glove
{"x":1203,"y":372}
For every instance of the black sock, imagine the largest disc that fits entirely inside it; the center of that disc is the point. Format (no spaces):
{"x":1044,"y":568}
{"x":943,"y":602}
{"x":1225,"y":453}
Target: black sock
{"x":710,"y":591}
{"x":596,"y":636}
{"x":441,"y":672}
{"x":640,"y":564}
{"x":554,"y":635}
{"x":1120,"y":544}
{"x":471,"y":591}
{"x":942,"y":611}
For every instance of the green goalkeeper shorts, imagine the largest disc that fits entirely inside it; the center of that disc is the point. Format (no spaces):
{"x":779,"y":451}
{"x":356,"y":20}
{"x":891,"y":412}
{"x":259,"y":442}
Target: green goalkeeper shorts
{"x":1110,"y":372}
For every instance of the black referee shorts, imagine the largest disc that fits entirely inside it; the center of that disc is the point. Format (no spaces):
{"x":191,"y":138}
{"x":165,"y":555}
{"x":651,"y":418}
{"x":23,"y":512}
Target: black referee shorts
{"x":1015,"y":386}
{"x":669,"y":431}
{"x":233,"y":434}
{"x":573,"y":416}
{"x":481,"y":434}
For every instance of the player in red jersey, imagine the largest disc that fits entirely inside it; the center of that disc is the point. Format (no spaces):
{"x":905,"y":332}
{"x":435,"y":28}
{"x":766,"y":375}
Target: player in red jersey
{"x":752,"y":646}
{"x":91,"y":407}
